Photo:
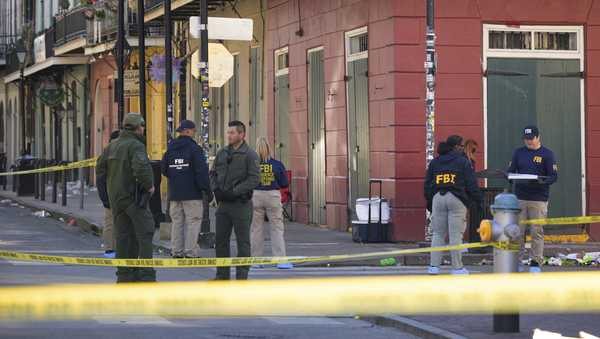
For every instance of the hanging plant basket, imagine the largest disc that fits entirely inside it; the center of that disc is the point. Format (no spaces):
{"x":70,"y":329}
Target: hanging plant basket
{"x":100,"y":14}
{"x":64,"y":4}
{"x":89,"y":13}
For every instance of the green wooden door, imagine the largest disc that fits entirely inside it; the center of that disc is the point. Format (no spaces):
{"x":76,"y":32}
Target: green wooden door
{"x":358,"y":129}
{"x":544,"y":92}
{"x":316,"y":138}
{"x":282,"y":99}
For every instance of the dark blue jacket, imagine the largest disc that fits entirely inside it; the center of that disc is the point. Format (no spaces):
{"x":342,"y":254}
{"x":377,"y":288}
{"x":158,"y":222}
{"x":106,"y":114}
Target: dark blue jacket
{"x":272,"y":175}
{"x":185,"y":165}
{"x":452,"y":172}
{"x":540,"y":162}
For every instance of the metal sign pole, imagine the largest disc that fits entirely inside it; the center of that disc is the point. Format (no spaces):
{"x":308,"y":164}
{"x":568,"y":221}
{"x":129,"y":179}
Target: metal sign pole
{"x":204,"y":71}
{"x":206,"y":238}
{"x":430,"y":98}
{"x":168,"y":69}
{"x":142,"y":56}
{"x":121,"y":61}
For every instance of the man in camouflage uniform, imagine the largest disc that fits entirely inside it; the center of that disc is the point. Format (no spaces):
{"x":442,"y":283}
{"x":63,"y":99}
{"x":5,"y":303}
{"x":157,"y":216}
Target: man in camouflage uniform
{"x":129,"y":178}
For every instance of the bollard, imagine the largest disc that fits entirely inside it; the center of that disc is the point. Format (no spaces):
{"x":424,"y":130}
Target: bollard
{"x":54,"y":187}
{"x":206,"y":238}
{"x":81,"y":188}
{"x":43,"y":182}
{"x":36,"y":181}
{"x":504,"y":228}
{"x":64,"y":187}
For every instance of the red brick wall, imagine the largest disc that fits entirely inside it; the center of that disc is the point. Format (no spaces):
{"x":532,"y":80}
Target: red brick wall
{"x":397,"y":88}
{"x":324,"y":23}
{"x":459,"y":95}
{"x":592,"y":84}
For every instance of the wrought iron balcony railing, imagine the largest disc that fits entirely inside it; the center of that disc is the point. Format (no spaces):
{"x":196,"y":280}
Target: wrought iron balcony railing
{"x":105,"y":29}
{"x":69,"y":26}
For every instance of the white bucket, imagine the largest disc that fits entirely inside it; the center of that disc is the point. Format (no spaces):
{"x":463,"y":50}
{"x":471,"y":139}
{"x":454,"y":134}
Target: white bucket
{"x":362,"y":209}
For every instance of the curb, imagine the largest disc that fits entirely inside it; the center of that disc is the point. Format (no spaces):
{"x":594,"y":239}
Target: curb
{"x":413,"y":327}
{"x":82,"y":222}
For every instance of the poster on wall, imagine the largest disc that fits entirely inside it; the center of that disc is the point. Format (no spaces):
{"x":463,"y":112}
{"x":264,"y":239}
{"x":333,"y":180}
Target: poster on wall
{"x":131,"y":84}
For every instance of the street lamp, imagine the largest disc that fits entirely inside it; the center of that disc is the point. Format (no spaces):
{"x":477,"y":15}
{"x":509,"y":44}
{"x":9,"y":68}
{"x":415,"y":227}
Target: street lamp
{"x":21,"y":54}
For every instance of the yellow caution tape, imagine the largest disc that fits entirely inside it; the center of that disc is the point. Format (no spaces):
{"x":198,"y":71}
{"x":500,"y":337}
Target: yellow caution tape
{"x":78,"y":164}
{"x":563,"y":220}
{"x":342,"y":296}
{"x":243,"y":261}
{"x":564,"y":238}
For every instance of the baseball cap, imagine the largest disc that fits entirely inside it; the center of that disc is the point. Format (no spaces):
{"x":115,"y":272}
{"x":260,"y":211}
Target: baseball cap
{"x":133,"y":121}
{"x":530,"y":132}
{"x":185,"y":124}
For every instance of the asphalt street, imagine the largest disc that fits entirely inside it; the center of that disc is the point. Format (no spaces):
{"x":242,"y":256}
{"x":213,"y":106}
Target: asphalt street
{"x":20,"y":231}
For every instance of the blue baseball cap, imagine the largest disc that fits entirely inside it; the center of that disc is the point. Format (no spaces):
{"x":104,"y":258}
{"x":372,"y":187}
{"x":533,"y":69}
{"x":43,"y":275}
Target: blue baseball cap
{"x":530,"y":132}
{"x":185,"y":124}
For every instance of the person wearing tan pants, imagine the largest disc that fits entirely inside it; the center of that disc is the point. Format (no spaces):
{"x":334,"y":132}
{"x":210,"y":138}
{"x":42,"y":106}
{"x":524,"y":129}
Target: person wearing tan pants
{"x":184,"y":164}
{"x":534,"y":158}
{"x":267,"y":200}
{"x":533,"y":210}
{"x":186,"y":220}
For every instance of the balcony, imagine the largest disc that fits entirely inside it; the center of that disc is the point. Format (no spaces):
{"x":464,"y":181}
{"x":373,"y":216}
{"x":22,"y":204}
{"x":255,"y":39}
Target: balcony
{"x":104,"y":29}
{"x":70,"y":26}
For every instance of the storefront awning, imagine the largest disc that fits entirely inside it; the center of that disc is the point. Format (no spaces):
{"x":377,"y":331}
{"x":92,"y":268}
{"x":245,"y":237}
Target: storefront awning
{"x":52,"y":61}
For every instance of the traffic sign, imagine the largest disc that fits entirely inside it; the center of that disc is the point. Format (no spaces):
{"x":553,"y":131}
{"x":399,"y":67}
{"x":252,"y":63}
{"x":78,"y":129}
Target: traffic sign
{"x":223,"y":28}
{"x":221,"y":65}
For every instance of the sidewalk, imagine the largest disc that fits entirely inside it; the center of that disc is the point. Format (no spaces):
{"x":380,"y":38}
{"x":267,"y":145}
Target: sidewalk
{"x":481,"y":326}
{"x":301,"y":239}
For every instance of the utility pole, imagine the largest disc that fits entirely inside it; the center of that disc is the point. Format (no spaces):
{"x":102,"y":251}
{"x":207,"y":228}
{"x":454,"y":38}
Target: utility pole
{"x":168,"y":69}
{"x":430,"y":65}
{"x":206,"y":238}
{"x":121,"y":61}
{"x":204,"y":71}
{"x":142,"y":56}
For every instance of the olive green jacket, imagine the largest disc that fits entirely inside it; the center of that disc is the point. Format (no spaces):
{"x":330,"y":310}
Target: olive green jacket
{"x":125,"y":164}
{"x":235,"y":170}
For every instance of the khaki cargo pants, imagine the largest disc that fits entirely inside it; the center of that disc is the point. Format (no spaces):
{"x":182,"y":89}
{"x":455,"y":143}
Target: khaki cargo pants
{"x":186,"y":220}
{"x":269,"y":203}
{"x":108,"y":238}
{"x":533,"y":210}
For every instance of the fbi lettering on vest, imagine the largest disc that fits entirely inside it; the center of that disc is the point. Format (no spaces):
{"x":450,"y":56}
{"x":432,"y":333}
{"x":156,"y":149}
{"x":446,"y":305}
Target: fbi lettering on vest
{"x":445,"y":178}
